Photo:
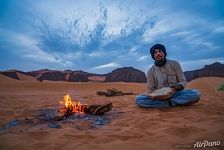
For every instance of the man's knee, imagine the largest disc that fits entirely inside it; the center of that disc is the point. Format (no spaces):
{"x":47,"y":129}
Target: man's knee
{"x":187,"y":97}
{"x":139,"y":99}
{"x":142,"y":100}
{"x":197,"y":95}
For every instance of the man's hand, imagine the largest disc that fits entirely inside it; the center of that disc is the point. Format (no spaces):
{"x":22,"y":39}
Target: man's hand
{"x":177,"y":87}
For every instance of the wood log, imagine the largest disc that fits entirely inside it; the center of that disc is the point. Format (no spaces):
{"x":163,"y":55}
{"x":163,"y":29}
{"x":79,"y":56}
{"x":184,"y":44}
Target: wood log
{"x":113,"y":92}
{"x":98,"y":109}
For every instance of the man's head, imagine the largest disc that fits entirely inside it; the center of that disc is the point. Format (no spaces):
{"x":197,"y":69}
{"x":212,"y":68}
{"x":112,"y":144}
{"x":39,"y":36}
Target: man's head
{"x":158,"y":52}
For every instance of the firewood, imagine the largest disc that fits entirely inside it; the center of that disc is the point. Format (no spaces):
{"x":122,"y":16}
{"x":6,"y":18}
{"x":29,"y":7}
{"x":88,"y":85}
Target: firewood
{"x":113,"y":92}
{"x":99,"y":109}
{"x":91,"y":110}
{"x":64,"y":113}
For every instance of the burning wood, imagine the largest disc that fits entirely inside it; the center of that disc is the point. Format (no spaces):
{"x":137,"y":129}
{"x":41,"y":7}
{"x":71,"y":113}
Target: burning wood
{"x":68,"y":107}
{"x":113,"y":92}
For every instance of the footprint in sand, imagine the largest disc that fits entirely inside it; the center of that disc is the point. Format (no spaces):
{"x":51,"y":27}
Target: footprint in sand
{"x":184,"y":132}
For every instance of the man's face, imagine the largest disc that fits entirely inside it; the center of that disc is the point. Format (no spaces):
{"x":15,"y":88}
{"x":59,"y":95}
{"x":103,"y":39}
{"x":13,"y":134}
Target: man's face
{"x":158,"y":54}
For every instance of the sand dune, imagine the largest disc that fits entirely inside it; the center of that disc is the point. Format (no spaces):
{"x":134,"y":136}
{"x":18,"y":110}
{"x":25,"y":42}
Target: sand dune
{"x":131,"y":128}
{"x":4,"y":78}
{"x":24,"y":77}
{"x":97,"y":78}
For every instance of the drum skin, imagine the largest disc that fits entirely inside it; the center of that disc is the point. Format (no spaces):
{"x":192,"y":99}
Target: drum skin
{"x":162,"y":94}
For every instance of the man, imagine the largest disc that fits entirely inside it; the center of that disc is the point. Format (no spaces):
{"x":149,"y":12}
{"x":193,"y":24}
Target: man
{"x":166,"y":73}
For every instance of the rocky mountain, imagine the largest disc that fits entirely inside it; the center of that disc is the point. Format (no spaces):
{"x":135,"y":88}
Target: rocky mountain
{"x":52,"y":76}
{"x":78,"y":77}
{"x":215,"y":69}
{"x":126,"y":74}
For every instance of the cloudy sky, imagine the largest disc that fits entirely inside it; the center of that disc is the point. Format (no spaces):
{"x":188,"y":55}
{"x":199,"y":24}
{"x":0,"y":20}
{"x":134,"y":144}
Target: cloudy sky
{"x":99,"y":36}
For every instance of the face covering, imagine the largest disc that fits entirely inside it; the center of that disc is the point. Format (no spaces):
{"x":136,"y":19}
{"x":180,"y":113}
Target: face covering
{"x":160,"y":63}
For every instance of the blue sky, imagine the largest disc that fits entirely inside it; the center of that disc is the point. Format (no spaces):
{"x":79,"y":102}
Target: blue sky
{"x":99,"y":36}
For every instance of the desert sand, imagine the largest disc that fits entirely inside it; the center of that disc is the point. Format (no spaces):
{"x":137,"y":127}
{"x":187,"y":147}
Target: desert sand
{"x":132,"y":128}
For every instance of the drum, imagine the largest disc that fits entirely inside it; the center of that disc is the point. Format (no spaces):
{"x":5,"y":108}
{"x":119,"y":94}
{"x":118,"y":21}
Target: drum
{"x":162,"y":94}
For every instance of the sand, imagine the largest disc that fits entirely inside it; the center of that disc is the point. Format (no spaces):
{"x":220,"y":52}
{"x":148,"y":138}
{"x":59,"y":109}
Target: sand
{"x":132,"y":128}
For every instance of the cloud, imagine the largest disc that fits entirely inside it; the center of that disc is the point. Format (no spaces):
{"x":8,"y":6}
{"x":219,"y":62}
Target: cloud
{"x":219,"y":29}
{"x":26,"y":46}
{"x":109,"y":65}
{"x":70,"y":34}
{"x":96,"y":54}
{"x":143,"y":58}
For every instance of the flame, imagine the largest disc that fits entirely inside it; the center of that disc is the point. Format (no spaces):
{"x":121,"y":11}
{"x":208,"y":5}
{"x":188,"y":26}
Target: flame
{"x":67,"y":104}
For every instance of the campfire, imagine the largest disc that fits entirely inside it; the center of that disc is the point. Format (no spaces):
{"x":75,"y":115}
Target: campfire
{"x":68,"y":111}
{"x":69,"y":107}
{"x":67,"y":104}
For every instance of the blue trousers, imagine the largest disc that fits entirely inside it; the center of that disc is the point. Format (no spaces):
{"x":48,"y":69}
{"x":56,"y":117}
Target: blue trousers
{"x":181,"y":98}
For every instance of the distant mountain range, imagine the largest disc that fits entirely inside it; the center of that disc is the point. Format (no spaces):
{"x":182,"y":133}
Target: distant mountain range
{"x":54,"y":75}
{"x":216,"y":69}
{"x":125,"y":74}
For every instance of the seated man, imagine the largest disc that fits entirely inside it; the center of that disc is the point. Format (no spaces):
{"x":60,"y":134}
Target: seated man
{"x":166,"y":73}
